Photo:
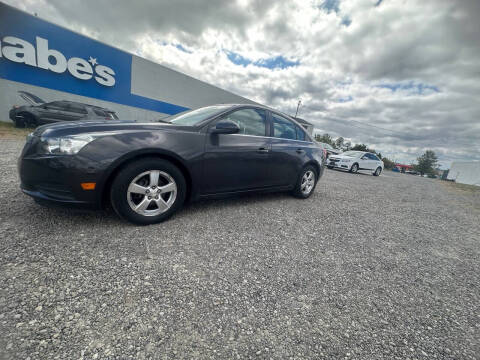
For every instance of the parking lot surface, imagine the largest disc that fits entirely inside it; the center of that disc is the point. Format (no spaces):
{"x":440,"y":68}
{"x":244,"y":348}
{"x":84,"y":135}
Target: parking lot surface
{"x":368,"y":267}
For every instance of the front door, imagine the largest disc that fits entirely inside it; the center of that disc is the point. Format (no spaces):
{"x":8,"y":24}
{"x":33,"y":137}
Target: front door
{"x":237,"y":162}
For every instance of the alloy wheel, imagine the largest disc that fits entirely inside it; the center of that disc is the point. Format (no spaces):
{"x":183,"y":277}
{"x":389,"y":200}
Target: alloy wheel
{"x":308,"y":182}
{"x":151,"y":193}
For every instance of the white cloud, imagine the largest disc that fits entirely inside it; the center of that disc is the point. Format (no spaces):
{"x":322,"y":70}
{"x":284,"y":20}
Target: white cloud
{"x":428,"y":45}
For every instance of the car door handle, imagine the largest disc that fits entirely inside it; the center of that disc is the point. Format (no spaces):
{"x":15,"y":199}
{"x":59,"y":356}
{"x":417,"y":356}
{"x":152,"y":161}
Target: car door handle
{"x":300,"y":151}
{"x":262,"y":150}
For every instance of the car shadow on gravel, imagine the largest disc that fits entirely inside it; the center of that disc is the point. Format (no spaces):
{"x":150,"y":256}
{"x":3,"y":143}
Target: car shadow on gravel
{"x":108,"y":216}
{"x":348,"y":172}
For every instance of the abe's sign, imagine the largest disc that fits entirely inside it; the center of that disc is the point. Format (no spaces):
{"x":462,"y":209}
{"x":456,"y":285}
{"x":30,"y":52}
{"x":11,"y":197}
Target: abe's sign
{"x":36,"y":52}
{"x":40,"y":55}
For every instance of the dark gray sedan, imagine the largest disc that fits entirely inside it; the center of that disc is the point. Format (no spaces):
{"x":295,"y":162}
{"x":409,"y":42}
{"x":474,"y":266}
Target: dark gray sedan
{"x":148,"y":170}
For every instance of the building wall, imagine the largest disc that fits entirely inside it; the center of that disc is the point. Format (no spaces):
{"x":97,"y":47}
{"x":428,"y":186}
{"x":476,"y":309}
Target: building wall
{"x":9,"y":97}
{"x":465,"y":172}
{"x":88,"y":71}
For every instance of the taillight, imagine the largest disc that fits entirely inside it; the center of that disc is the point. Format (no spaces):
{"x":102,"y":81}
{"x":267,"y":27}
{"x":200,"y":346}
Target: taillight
{"x":324,"y":153}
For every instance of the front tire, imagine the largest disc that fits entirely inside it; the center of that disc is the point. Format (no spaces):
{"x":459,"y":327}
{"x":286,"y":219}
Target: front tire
{"x":148,"y":191}
{"x":306,"y":182}
{"x":354,"y":168}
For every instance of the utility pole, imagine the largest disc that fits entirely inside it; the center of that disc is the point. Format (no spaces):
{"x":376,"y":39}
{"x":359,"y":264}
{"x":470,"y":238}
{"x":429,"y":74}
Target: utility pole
{"x":298,"y":105}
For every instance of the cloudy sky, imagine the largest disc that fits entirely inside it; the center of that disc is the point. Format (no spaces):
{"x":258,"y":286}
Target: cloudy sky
{"x":402,"y":76}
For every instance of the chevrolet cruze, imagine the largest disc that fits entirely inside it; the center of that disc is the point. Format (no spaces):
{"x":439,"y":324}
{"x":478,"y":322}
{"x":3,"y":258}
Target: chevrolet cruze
{"x":354,"y":161}
{"x":148,"y":170}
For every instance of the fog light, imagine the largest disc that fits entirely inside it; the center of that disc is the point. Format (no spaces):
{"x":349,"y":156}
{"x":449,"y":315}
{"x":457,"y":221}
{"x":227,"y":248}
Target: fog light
{"x":88,"y":186}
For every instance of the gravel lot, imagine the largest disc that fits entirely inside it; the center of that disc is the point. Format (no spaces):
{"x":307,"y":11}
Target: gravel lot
{"x":367,"y":268}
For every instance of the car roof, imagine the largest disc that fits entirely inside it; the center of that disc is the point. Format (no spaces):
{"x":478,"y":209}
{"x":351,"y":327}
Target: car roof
{"x":265,"y":108}
{"x":83,"y":104}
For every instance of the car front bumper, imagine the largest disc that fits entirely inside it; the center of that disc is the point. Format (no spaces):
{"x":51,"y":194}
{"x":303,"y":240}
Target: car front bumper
{"x":54,"y":180}
{"x":58,"y":178}
{"x":339,"y":165}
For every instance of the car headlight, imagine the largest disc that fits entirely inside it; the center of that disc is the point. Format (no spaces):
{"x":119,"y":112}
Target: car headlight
{"x":67,"y":145}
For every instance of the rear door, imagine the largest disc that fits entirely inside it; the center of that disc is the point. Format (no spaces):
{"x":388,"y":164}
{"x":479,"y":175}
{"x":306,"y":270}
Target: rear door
{"x":289,"y":148}
{"x":367,"y":162}
{"x":376,"y":162}
{"x":237,"y":162}
{"x":74,"y":111}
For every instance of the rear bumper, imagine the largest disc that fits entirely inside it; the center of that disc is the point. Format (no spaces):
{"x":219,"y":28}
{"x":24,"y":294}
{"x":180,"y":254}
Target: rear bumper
{"x":12,"y":114}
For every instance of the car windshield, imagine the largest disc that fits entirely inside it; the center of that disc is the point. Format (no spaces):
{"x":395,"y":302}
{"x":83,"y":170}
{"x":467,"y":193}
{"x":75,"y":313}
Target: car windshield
{"x":194,"y":117}
{"x":352,"y":153}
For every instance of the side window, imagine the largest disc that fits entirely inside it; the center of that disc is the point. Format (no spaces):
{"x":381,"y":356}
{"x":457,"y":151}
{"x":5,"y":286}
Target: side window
{"x":57,"y":105}
{"x":283,"y":128}
{"x":250,"y":121}
{"x":300,"y":134}
{"x":99,"y":112}
{"x":374,"y":157}
{"x":77,"y":108}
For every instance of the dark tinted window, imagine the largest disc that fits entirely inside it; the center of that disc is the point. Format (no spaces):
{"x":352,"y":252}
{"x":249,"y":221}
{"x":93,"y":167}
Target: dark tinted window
{"x":283,"y":128}
{"x":374,"y":157}
{"x":57,"y":105}
{"x":300,"y":134}
{"x":78,"y":108}
{"x":250,"y":121}
{"x":100,"y":112}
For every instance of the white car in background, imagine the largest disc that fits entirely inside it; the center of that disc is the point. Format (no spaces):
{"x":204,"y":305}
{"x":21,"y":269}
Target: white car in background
{"x":354,"y":161}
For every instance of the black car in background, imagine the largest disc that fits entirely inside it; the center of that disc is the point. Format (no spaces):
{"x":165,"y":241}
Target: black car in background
{"x":147,"y":170}
{"x":40,"y":112}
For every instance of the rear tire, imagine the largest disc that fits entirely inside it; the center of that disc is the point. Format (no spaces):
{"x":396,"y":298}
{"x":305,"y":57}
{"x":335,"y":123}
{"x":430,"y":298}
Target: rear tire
{"x":19,"y":123}
{"x":29,"y":120}
{"x":378,"y":171}
{"x":306,"y":183}
{"x":148,"y":191}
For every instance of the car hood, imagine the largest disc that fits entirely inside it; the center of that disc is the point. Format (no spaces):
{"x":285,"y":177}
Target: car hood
{"x":340,"y":157}
{"x":104,"y":126}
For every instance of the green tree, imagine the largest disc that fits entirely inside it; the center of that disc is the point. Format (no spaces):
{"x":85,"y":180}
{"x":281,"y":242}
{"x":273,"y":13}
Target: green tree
{"x":389,"y":164}
{"x":427,"y":163}
{"x":361,"y":147}
{"x":324,"y":138}
{"x":339,"y":143}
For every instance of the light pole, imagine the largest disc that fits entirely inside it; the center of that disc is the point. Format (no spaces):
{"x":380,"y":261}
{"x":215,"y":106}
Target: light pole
{"x":298,"y":105}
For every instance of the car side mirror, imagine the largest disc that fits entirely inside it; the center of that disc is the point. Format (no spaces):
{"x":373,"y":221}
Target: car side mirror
{"x":225,"y":127}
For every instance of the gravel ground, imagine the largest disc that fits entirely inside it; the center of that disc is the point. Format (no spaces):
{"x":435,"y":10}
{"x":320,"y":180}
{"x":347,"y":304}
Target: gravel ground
{"x":367,"y":268}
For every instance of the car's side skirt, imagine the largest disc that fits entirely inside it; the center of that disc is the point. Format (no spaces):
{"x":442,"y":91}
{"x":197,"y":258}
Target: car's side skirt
{"x":249,"y":191}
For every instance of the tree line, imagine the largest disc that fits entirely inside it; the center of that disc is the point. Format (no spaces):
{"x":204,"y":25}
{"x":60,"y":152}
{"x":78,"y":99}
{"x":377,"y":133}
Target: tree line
{"x":426,"y":164}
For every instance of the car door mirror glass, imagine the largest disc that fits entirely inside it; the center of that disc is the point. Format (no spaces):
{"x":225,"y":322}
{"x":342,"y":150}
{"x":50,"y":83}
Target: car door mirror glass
{"x":225,"y":127}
